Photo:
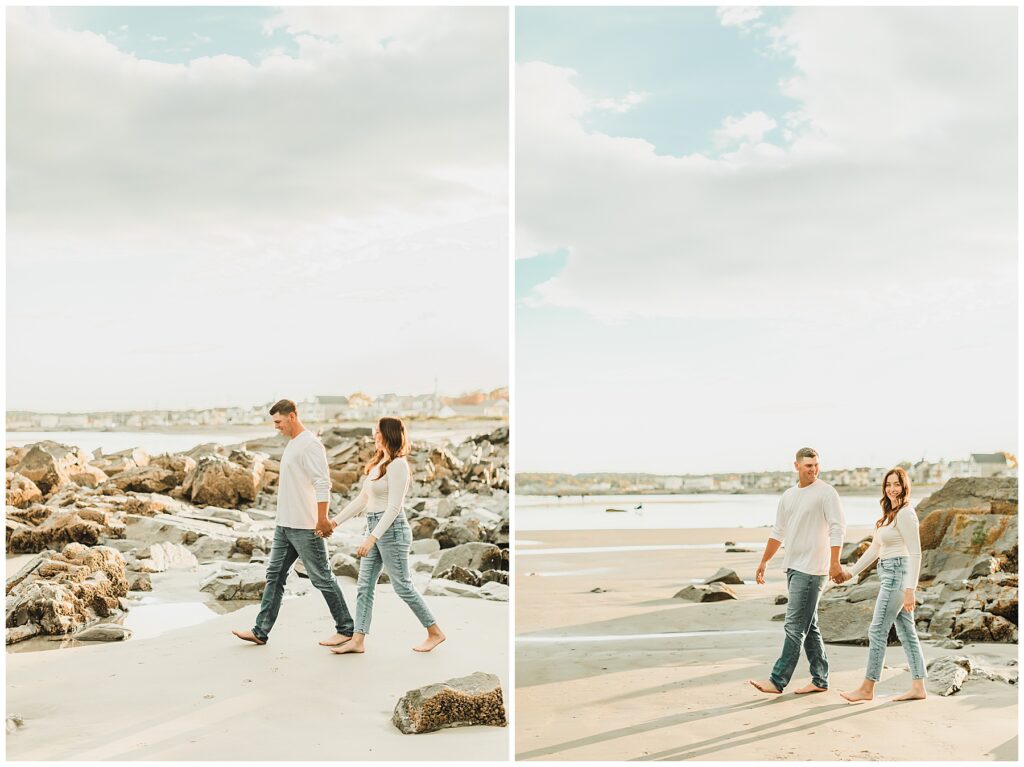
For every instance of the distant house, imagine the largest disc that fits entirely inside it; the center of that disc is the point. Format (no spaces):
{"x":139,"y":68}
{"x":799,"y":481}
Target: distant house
{"x":496,"y":409}
{"x":446,"y":412}
{"x":331,"y":407}
{"x":699,"y":483}
{"x":673,"y":483}
{"x":988,"y":465}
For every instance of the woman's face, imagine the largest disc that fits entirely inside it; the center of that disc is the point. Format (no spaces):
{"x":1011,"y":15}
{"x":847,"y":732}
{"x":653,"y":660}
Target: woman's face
{"x":378,"y":440}
{"x":893,"y":487}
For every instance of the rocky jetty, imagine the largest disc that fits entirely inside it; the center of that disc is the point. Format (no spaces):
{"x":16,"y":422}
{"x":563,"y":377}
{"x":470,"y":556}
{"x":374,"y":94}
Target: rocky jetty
{"x":461,"y":702}
{"x":968,"y":584}
{"x":213,"y":507}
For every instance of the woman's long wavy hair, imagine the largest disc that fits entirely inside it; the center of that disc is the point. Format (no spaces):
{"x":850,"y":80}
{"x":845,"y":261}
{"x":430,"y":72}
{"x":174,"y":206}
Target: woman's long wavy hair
{"x":396,"y":444}
{"x":888,"y":510}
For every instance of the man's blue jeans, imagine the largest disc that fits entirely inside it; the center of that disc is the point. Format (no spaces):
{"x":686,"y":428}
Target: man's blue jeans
{"x":802,"y":631}
{"x":291,"y":543}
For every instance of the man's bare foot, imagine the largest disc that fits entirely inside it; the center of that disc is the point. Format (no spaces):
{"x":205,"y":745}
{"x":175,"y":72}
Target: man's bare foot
{"x":857,"y":696}
{"x":432,"y":641}
{"x":334,"y":640}
{"x":248,"y":636}
{"x":765,"y":686}
{"x":346,"y":648}
{"x":812,"y":687}
{"x":912,"y":695}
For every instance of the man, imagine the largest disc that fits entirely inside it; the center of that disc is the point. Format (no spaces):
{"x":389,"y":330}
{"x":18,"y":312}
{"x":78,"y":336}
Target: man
{"x":810,"y":520}
{"x":303,"y":495}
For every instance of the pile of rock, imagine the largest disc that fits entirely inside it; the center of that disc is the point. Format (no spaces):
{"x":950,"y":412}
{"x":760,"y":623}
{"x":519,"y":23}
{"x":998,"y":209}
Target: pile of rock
{"x":968,"y":583}
{"x":59,"y":593}
{"x":461,"y":702}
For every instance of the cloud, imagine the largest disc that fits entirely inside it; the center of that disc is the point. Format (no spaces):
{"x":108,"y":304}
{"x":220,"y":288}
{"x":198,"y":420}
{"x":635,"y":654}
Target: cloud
{"x":621,"y":105}
{"x":738,"y":16}
{"x":896,"y":180}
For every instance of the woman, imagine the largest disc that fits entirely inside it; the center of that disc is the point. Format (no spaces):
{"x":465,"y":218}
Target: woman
{"x":388,"y":536}
{"x":897,"y":546}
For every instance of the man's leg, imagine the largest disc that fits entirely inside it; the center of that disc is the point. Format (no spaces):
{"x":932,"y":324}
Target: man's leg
{"x":282,"y":557}
{"x":803,"y":600}
{"x":313,"y":551}
{"x":814,"y":647}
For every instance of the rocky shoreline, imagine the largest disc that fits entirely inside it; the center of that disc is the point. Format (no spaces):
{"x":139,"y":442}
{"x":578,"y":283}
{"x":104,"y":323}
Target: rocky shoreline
{"x":101,"y":525}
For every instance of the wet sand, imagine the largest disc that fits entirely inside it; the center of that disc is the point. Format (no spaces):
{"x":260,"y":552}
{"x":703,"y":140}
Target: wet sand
{"x":590,"y":686}
{"x":200,"y":693}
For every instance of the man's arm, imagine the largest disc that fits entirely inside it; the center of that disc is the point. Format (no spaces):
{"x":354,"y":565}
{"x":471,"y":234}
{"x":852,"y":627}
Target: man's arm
{"x":769,"y":552}
{"x":320,"y":476}
{"x":836,"y":532}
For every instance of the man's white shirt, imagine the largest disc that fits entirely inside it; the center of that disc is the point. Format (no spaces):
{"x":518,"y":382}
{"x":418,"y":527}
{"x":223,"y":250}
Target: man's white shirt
{"x":809,"y":522}
{"x":304,"y":481}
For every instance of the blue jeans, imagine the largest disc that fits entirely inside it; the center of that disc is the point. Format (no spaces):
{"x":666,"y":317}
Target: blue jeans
{"x":291,"y":543}
{"x":391,"y":552}
{"x":802,"y":631}
{"x":889,"y":610}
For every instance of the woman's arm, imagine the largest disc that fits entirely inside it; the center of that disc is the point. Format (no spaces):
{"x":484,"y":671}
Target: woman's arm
{"x":909,"y":527}
{"x":398,"y":482}
{"x":356,"y":506}
{"x":869,"y":556}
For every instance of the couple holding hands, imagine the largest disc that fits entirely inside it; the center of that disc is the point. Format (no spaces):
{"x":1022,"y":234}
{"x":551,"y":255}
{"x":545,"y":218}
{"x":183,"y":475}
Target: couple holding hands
{"x":810,"y":520}
{"x":302,"y":524}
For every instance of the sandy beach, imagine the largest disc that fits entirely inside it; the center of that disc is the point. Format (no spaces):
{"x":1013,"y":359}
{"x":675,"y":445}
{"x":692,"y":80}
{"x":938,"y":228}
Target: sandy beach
{"x":589,"y":685}
{"x":199,"y":693}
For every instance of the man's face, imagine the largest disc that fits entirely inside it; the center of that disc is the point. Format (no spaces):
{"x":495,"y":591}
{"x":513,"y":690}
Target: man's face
{"x":284,"y":423}
{"x":807,"y":468}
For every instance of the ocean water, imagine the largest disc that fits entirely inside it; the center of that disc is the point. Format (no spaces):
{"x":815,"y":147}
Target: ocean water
{"x":659,"y":512}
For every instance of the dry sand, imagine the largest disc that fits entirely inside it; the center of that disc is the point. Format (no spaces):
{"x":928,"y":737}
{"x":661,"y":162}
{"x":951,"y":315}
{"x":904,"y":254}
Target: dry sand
{"x":200,"y":693}
{"x":665,"y":698}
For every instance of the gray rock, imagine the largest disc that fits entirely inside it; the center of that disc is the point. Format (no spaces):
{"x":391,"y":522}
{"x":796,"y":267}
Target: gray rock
{"x":460,"y":575}
{"x":494,"y":591}
{"x":724,"y":575}
{"x":439,"y":587}
{"x":498,"y":576}
{"x":472,"y":556}
{"x":159,"y":557}
{"x":460,"y":702}
{"x":346,"y":565}
{"x":843,"y":622}
{"x":781,"y":599}
{"x":950,"y":644}
{"x":716,"y":592}
{"x":14,"y":723}
{"x":245,"y":583}
{"x":208,"y":548}
{"x":425,"y":546}
{"x":456,"y":532}
{"x":779,"y":617}
{"x":104,"y":632}
{"x":947,"y":675}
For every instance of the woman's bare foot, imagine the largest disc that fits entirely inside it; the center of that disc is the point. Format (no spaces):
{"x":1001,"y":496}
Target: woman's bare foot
{"x":812,"y":687}
{"x":248,"y":636}
{"x":765,"y":686}
{"x":434,"y":637}
{"x":859,"y":695}
{"x":334,"y":640}
{"x":347,"y":648}
{"x":917,"y":692}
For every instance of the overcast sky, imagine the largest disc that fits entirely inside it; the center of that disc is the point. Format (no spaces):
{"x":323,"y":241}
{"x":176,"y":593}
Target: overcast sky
{"x":741,"y":232}
{"x":216,"y":206}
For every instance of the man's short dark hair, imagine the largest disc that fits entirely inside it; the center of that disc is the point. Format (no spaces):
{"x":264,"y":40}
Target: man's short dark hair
{"x":284,"y":407}
{"x":804,"y":452}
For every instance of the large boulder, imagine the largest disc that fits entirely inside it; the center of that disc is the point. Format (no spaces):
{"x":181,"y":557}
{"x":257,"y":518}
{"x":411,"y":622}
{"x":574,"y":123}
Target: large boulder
{"x":115,"y":463}
{"x":146,"y":479}
{"x":968,"y":543}
{"x":949,"y":673}
{"x":104,"y":632}
{"x":50,"y":465}
{"x":460,"y":575}
{"x":231,"y":584}
{"x":62,"y":592}
{"x":217,"y":481}
{"x":64,"y":526}
{"x":461,"y":702}
{"x":472,"y":556}
{"x":456,"y":532}
{"x":842,"y":622}
{"x":163,"y":556}
{"x":725,"y":575}
{"x":22,"y":491}
{"x":977,"y":495}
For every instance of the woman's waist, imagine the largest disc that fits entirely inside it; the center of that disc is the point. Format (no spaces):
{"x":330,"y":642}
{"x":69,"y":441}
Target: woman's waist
{"x":376,"y":515}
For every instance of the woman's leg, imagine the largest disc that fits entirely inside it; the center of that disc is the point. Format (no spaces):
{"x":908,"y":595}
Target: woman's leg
{"x":887,"y":605}
{"x":369,"y":572}
{"x":907,"y":632}
{"x":394,"y":548}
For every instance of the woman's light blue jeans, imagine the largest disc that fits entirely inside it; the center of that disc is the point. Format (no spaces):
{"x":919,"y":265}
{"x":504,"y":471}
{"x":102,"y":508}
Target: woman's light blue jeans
{"x":889,"y":610}
{"x":390,"y":552}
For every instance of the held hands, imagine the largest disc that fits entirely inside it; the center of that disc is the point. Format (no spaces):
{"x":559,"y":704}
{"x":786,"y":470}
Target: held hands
{"x":325,"y":527}
{"x":364,"y":549}
{"x":837,"y":574}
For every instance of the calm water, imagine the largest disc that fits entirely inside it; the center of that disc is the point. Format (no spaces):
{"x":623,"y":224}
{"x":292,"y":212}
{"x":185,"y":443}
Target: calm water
{"x":539,"y":512}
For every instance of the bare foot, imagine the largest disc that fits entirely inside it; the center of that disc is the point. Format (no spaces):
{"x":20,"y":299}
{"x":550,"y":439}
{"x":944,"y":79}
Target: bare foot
{"x":810,"y":688}
{"x":347,"y":648}
{"x":858,"y":695}
{"x":765,"y":686}
{"x":248,"y":636}
{"x":912,"y":695}
{"x":334,"y":640}
{"x":432,"y":641}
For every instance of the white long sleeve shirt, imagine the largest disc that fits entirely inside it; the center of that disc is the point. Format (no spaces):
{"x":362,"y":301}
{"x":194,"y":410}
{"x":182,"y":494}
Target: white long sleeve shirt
{"x":377,"y":494}
{"x":902,"y":538}
{"x":809,"y":521}
{"x":304,"y":481}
